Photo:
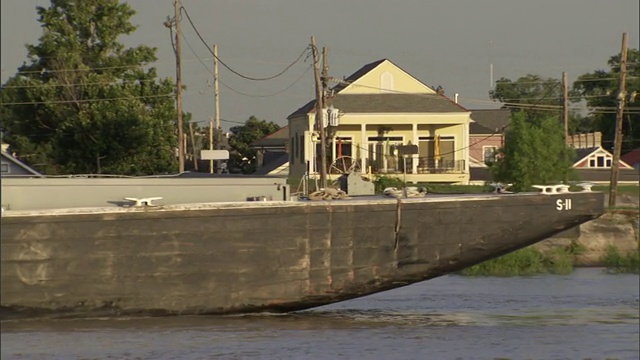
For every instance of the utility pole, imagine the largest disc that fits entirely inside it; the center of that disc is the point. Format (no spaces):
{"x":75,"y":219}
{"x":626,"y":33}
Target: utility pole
{"x":325,"y":101}
{"x":565,"y":106}
{"x":216,"y":93}
{"x":617,"y":144}
{"x":319,"y":114}
{"x":177,"y":6}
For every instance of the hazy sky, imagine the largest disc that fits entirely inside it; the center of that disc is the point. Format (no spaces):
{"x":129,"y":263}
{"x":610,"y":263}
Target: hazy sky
{"x":448,"y":43}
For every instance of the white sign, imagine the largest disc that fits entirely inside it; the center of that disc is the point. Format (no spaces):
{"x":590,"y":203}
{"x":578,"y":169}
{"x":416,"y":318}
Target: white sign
{"x":214,"y":154}
{"x":563,"y":204}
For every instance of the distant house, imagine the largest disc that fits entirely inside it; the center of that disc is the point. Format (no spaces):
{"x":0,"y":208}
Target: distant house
{"x":591,"y":163}
{"x":596,"y":158}
{"x":632,"y":158}
{"x":11,"y":166}
{"x":272,"y":153}
{"x":486,"y":135}
{"x":383,"y":109}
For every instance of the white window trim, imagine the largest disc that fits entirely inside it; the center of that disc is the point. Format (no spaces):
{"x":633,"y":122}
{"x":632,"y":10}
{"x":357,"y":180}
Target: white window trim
{"x":495,"y":150}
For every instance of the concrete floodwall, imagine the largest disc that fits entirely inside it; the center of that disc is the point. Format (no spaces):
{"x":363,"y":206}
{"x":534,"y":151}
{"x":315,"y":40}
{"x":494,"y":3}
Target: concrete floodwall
{"x":52,"y":193}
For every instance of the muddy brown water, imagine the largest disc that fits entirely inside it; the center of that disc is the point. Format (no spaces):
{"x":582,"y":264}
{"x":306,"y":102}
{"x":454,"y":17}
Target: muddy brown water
{"x":585,"y":315}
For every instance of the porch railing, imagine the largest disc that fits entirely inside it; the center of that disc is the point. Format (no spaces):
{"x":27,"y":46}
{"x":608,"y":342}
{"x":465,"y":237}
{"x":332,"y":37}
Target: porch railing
{"x":425,"y":165}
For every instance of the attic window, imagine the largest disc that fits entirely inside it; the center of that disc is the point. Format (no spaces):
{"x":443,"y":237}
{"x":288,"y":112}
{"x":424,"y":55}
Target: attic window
{"x":386,"y":82}
{"x":4,"y":168}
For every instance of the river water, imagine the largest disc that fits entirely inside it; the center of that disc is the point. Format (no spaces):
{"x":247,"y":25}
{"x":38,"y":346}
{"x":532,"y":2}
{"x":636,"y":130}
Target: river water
{"x":585,"y":315}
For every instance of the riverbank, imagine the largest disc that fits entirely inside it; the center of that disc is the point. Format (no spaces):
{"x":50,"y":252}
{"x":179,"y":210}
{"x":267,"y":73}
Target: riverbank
{"x":611,"y":241}
{"x":591,"y":241}
{"x":599,"y":242}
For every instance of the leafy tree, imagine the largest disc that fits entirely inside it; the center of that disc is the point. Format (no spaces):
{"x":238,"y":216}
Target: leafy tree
{"x":242,"y":157}
{"x":534,"y":153}
{"x":599,"y":90}
{"x":533,"y":95}
{"x":83,"y":103}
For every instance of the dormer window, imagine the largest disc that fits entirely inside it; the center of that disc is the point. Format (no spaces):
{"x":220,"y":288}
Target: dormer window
{"x":386,"y":82}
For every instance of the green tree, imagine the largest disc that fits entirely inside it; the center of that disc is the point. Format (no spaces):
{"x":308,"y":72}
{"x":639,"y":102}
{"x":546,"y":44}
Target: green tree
{"x":534,"y":153}
{"x":242,"y":157}
{"x":600,"y":91}
{"x":83,"y":103}
{"x":533,"y":95}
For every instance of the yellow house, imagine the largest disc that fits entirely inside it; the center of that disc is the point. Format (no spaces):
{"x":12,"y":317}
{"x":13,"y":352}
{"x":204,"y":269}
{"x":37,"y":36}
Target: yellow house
{"x":382,"y":109}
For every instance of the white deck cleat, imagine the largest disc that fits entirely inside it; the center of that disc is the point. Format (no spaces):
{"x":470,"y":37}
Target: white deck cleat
{"x":143,"y":201}
{"x":500,"y":188}
{"x":586,"y":187}
{"x":552,"y":189}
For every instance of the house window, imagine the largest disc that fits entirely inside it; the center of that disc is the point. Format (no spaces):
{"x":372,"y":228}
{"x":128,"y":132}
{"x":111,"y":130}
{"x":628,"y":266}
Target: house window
{"x":386,"y":82}
{"x":381,"y":152}
{"x":427,"y":149}
{"x":293,"y":148}
{"x":600,"y":161}
{"x":301,"y":149}
{"x":489,"y":154}
{"x":343,"y":146}
{"x":4,"y":168}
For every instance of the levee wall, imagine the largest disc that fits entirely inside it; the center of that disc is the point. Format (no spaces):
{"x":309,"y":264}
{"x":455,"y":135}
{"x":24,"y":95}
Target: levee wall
{"x":52,"y":193}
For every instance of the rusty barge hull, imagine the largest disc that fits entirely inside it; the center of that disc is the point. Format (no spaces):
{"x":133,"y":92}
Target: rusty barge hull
{"x":223,"y":258}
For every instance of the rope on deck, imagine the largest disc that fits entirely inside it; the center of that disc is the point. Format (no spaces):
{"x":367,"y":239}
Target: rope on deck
{"x":328,"y":194}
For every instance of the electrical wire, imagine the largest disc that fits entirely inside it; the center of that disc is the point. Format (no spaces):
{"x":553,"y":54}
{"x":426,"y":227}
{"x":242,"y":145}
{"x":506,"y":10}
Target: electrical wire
{"x":238,"y":91}
{"x":86,"y":100}
{"x":122,"y":82}
{"x":305,"y":51}
{"x":272,"y":94}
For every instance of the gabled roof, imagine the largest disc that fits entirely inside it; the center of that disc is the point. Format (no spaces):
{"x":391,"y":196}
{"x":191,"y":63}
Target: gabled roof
{"x":276,"y":139}
{"x":489,"y":121}
{"x":583,"y":153}
{"x":477,"y":129}
{"x":273,"y":165}
{"x":382,"y":103}
{"x":632,"y":158}
{"x":387,"y":103}
{"x":357,"y":75}
{"x":19,"y":163}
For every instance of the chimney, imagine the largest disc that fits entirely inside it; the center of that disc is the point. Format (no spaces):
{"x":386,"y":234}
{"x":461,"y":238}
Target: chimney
{"x":455,"y":98}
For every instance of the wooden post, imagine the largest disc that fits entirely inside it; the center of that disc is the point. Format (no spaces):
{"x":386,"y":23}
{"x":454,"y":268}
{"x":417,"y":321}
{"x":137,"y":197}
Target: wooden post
{"x":193,"y":147}
{"x":319,"y":114}
{"x":177,"y":7}
{"x":565,"y":106}
{"x":216,"y":92}
{"x":210,"y":143}
{"x":617,"y":144}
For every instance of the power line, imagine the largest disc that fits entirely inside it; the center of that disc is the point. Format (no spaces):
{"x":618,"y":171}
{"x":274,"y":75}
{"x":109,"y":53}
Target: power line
{"x":80,"y":69}
{"x":122,"y":82}
{"x":272,"y":94}
{"x":86,"y":100}
{"x":228,"y":67}
{"x":238,"y":91}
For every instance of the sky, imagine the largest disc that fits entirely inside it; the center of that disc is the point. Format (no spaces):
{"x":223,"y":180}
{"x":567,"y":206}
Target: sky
{"x":442,"y":43}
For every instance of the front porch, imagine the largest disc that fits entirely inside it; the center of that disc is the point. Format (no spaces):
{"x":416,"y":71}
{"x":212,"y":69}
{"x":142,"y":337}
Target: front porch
{"x":418,"y":169}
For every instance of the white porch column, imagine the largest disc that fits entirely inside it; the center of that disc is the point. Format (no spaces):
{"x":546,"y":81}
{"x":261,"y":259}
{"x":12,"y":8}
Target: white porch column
{"x":465,"y":144}
{"x":415,"y":141}
{"x":364,"y":148}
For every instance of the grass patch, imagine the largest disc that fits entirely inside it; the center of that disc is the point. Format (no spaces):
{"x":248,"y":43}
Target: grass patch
{"x":527,"y":261}
{"x":617,"y":263}
{"x":633,"y":190}
{"x":382,"y":182}
{"x":457,"y":189}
